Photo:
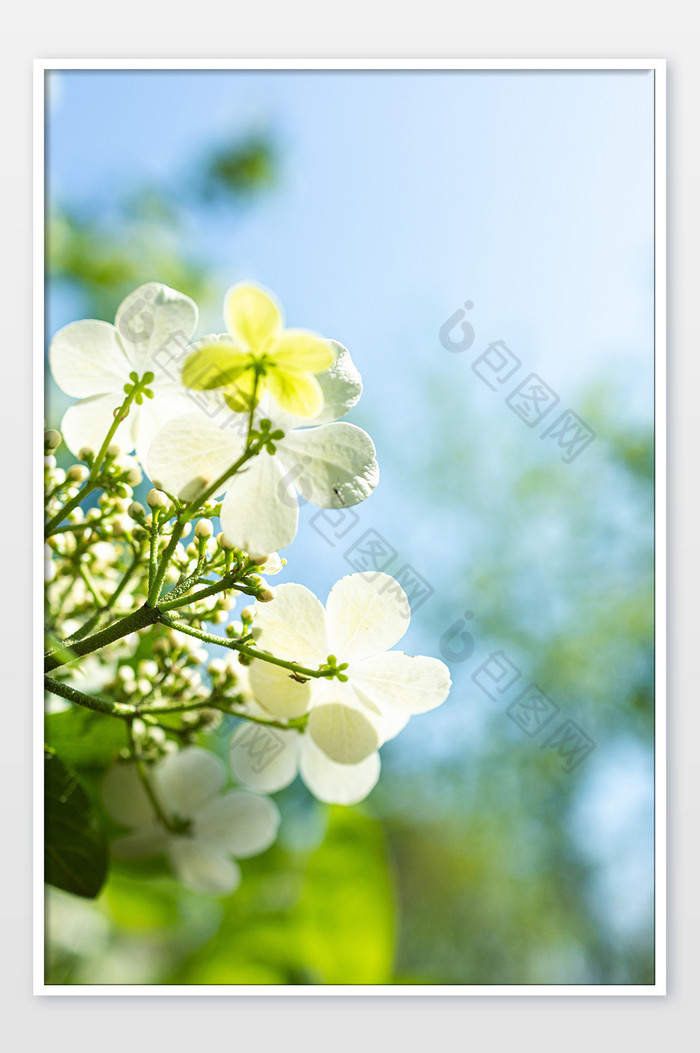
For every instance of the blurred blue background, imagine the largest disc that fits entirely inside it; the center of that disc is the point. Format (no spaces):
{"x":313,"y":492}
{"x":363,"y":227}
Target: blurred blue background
{"x":376,"y":205}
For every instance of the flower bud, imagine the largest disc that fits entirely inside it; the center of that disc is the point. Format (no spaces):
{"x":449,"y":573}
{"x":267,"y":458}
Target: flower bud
{"x":156,"y":499}
{"x":77,"y":473}
{"x":204,"y":529}
{"x":52,"y":440}
{"x":113,"y":451}
{"x":85,"y":454}
{"x":135,"y":510}
{"x":258,"y":560}
{"x":225,"y":543}
{"x":133,"y":476}
{"x":247,"y":614}
{"x":50,"y":461}
{"x":266,"y":595}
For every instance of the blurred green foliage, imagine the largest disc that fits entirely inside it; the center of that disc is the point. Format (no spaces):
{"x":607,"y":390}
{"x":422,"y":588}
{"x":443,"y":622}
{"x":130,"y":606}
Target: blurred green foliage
{"x":320,"y":916}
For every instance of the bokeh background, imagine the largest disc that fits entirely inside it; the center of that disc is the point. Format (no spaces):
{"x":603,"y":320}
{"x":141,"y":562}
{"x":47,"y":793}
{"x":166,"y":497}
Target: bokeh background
{"x":376,"y":205}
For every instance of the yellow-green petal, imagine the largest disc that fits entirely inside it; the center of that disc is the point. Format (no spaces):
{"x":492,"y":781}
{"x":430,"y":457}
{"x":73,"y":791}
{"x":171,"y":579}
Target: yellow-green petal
{"x":214,"y":365}
{"x":252,"y":315}
{"x":302,"y":350}
{"x":297,"y":393}
{"x":239,"y":395}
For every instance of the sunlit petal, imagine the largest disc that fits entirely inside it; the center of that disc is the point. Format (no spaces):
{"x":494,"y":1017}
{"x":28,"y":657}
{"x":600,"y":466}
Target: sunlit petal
{"x":366,"y":614}
{"x":86,"y":359}
{"x":302,"y":350}
{"x":253,"y":315}
{"x":298,"y":394}
{"x":335,"y":783}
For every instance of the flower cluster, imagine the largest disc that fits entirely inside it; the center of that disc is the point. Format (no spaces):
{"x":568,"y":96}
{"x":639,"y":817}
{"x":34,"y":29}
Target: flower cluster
{"x":138,"y":580}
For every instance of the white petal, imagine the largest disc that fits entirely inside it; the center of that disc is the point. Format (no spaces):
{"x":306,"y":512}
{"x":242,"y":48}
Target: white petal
{"x":86,"y":359}
{"x":188,"y":780}
{"x":142,"y":844}
{"x":169,"y":401}
{"x":124,"y":797}
{"x":203,"y":867}
{"x":366,"y":614}
{"x":341,"y":386}
{"x":273,"y":564}
{"x":292,"y":626}
{"x":264,"y":759}
{"x":258,"y":514}
{"x":88,"y":421}
{"x":190,"y":453}
{"x":245,"y":824}
{"x":153,"y":323}
{"x":337,"y":783}
{"x":345,"y":734}
{"x":275,"y":690}
{"x":332,"y":466}
{"x":395,"y":680}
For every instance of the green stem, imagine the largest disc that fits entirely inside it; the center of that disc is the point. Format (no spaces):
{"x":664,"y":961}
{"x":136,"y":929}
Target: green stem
{"x":75,"y":528}
{"x":217,"y":586}
{"x":146,"y":782}
{"x":55,"y":521}
{"x":251,"y":416}
{"x":120,"y":415}
{"x":106,"y":607}
{"x":297,"y":725}
{"x":131,"y":623}
{"x":91,"y":482}
{"x":91,"y":587}
{"x":99,"y":705}
{"x":188,"y":513}
{"x":233,"y":645}
{"x":157,"y":582}
{"x":179,"y":707}
{"x":153,"y":556}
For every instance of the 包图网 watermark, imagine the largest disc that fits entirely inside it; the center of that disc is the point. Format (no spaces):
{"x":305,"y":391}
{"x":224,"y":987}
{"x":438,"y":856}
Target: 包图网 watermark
{"x":531,"y":399}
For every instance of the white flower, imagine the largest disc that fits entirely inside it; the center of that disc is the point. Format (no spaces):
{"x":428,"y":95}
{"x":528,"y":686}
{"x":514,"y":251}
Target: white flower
{"x":331,"y":464}
{"x":92,"y":360}
{"x":268,"y":759}
{"x":365,"y":615}
{"x":223,"y":828}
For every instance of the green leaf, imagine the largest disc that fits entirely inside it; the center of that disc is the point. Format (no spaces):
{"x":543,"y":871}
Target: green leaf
{"x":76,"y":846}
{"x":83,"y":738}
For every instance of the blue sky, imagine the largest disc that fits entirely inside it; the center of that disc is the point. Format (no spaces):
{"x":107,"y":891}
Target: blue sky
{"x":529,"y":193}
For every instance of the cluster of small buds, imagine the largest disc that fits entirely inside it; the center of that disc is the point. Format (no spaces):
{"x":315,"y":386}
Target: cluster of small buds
{"x":90,"y":552}
{"x":173,"y":673}
{"x":151,"y":741}
{"x":229,"y":683}
{"x":202,"y":720}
